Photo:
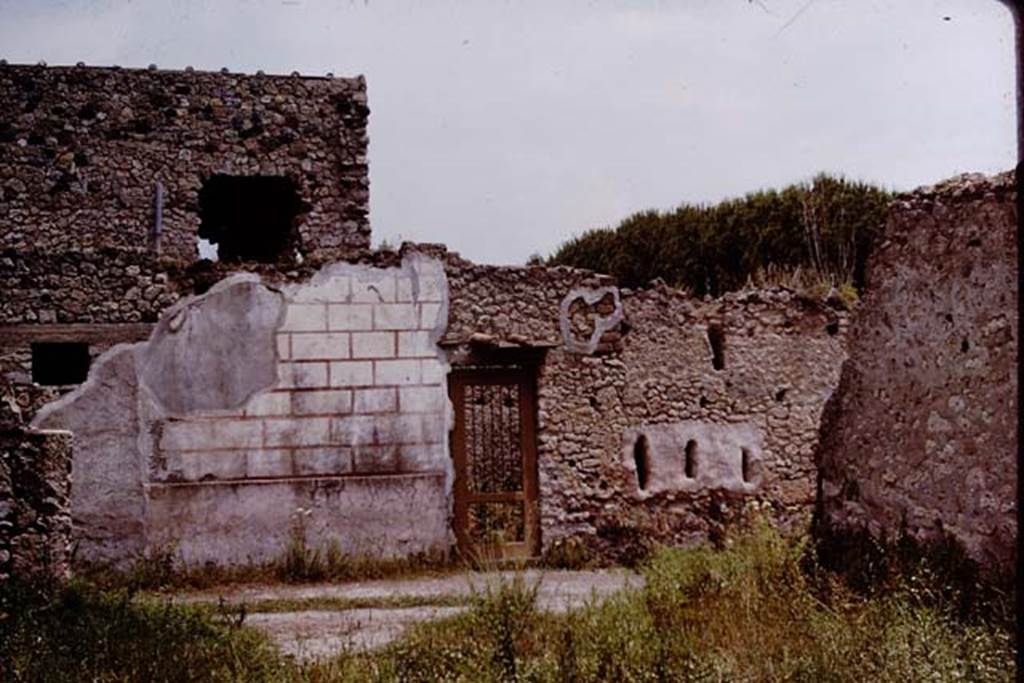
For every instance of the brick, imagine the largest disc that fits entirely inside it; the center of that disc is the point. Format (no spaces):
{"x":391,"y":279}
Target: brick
{"x":415,"y":345}
{"x":432,"y":399}
{"x":330,"y":402}
{"x":432,"y":371}
{"x":353,"y":373}
{"x":271,"y":403}
{"x":206,"y":465}
{"x":373,"y":344}
{"x":374,"y":291}
{"x":332,"y":460}
{"x":305,"y":318}
{"x":211,"y":434}
{"x":395,"y":317}
{"x":269,"y":462}
{"x":375,"y":459}
{"x":430,"y":315}
{"x":375,"y":401}
{"x":284,"y":346}
{"x":298,"y":431}
{"x":356,"y":430}
{"x":335,"y":289}
{"x":350,"y":317}
{"x":390,"y":372}
{"x":309,"y":375}
{"x":329,"y":345}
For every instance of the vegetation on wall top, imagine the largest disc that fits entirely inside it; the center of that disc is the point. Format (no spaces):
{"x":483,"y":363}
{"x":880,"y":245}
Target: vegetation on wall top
{"x":824,"y":229}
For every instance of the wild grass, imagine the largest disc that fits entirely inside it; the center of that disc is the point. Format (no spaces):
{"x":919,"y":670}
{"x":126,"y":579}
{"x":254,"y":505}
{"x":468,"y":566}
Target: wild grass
{"x":758,"y":610}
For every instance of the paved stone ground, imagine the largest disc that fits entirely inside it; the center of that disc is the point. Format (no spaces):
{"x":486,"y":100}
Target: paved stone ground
{"x":317,"y":632}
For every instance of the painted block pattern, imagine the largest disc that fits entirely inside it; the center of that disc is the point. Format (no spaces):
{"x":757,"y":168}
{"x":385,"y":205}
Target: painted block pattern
{"x":361,"y":389}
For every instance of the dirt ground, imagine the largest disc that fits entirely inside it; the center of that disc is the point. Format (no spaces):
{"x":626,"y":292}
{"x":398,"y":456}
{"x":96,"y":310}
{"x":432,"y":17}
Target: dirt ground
{"x":333,"y":617}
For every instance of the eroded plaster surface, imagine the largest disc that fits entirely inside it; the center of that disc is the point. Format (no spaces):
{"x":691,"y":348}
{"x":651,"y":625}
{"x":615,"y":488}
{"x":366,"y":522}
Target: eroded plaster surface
{"x":317,"y":408}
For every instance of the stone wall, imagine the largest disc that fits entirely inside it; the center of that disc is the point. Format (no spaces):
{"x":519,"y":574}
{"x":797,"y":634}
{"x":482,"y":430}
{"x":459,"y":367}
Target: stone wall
{"x":35,"y":523}
{"x":84,"y":153}
{"x":259,"y":410}
{"x":922,"y":437}
{"x":619,"y":365}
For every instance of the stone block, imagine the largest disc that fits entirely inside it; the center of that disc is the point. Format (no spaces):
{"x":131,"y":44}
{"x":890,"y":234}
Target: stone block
{"x":375,"y":401}
{"x":430,"y":399}
{"x":422,"y":458}
{"x":352,"y":373}
{"x":373,"y":344}
{"x":334,"y":289}
{"x":403,"y":293}
{"x":375,"y":459}
{"x":327,"y":345}
{"x":307,"y":375}
{"x":269,"y":462}
{"x":393,"y":372}
{"x":209,"y":434}
{"x":284,"y":347}
{"x":305,"y":318}
{"x":270,"y":403}
{"x":350,"y":317}
{"x":430,"y":315}
{"x":355,"y":430}
{"x":296,"y":431}
{"x":374,"y":291}
{"x":416,"y":344}
{"x":395,"y":317}
{"x":329,"y":402}
{"x":432,"y":371}
{"x":328,"y":461}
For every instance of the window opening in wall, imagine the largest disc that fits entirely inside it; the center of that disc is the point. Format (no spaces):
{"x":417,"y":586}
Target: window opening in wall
{"x":746,"y":466}
{"x":642,"y":458}
{"x":690,"y":454}
{"x":249,"y":218}
{"x":716,"y":338}
{"x":60,"y":363}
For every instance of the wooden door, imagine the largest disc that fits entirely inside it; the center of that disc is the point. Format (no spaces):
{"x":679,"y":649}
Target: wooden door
{"x":494,"y":446}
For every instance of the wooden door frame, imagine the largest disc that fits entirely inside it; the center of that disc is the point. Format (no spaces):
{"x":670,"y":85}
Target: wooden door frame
{"x":525,"y":378}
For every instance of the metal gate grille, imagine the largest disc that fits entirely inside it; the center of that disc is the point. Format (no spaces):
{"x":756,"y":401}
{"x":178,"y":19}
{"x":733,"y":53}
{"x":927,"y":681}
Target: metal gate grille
{"x":495,"y":462}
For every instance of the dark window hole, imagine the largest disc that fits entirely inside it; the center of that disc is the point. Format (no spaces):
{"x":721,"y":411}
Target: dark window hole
{"x":780,"y":395}
{"x":642,"y":459}
{"x":60,"y":363}
{"x":746,"y":465}
{"x":690,"y":464}
{"x":704,"y":401}
{"x":965,"y":346}
{"x":716,"y":338}
{"x":249,"y":218}
{"x":832,"y":328}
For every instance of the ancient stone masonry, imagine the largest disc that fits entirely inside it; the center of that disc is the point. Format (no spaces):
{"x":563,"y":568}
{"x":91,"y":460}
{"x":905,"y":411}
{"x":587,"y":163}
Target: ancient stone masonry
{"x":109,"y":177}
{"x":304,"y":387}
{"x":638,"y":431}
{"x":99,"y":157}
{"x":35,"y":520}
{"x":921,"y":438}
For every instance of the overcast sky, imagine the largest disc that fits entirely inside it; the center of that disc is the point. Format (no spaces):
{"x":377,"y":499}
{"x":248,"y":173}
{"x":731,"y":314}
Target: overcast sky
{"x":503,"y":128}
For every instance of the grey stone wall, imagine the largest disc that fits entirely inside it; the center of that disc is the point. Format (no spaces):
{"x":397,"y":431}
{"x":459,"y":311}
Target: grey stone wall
{"x":35,"y":522}
{"x":82,"y":150}
{"x":622,"y":364}
{"x":922,"y":437}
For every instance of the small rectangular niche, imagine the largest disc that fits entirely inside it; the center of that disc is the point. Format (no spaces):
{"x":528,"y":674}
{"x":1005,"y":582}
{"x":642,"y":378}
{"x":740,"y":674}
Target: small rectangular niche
{"x":716,"y":339}
{"x":60,"y":363}
{"x":249,"y":218}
